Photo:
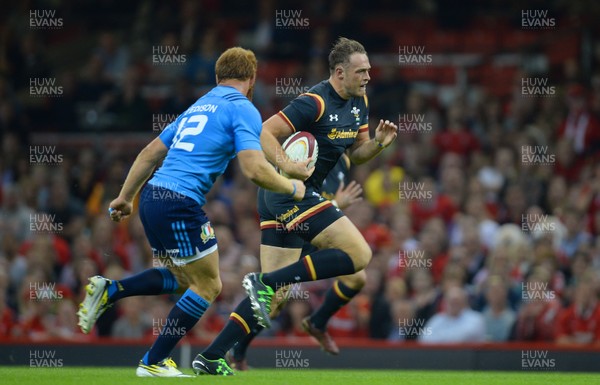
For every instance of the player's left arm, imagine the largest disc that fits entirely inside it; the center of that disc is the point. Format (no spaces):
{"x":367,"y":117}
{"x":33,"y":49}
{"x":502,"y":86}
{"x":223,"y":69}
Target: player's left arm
{"x":346,"y":196}
{"x":140,"y":171}
{"x":365,"y":148}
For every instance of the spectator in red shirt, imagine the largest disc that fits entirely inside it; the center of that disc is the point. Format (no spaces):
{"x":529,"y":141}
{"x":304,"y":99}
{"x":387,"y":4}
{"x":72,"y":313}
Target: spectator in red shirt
{"x":581,"y":127}
{"x":589,"y":200}
{"x":105,"y":245}
{"x":63,"y":324}
{"x":34,"y":305}
{"x":568,"y":164}
{"x":456,"y":138}
{"x":580,"y":265}
{"x":7,"y":316}
{"x":433,"y":245}
{"x":435,"y":204}
{"x":579,"y":324}
{"x":377,"y":235}
{"x":55,"y":249}
{"x":538,"y":312}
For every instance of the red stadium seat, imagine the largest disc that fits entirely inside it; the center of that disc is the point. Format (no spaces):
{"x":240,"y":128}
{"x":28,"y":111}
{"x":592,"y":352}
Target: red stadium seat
{"x":498,"y":81}
{"x":514,"y":40}
{"x":483,"y":41}
{"x":407,"y":38}
{"x":563,"y":48}
{"x":270,"y":70}
{"x":446,"y":74}
{"x":442,"y":41}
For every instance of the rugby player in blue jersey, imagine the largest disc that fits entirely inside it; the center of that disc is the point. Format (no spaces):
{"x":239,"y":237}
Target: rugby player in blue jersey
{"x":335,"y":111}
{"x":194,"y":150}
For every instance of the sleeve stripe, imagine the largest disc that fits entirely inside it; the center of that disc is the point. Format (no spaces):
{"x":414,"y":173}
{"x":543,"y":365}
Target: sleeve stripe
{"x":288,"y":121}
{"x":364,"y":127}
{"x":320,"y":104}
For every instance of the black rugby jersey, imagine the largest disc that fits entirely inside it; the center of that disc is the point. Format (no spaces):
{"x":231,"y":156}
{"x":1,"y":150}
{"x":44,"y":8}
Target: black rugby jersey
{"x":333,"y":121}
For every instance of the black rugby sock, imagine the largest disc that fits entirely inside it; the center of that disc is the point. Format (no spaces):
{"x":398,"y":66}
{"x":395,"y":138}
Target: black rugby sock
{"x":322,"y":264}
{"x":239,"y":350}
{"x":241,"y":323}
{"x":337,"y":296}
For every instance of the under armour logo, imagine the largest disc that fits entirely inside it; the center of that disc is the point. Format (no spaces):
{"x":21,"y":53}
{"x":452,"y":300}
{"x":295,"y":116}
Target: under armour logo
{"x":355,"y":111}
{"x":333,"y":117}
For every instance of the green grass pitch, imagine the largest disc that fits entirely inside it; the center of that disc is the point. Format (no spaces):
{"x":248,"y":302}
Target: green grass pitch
{"x":126,"y":376}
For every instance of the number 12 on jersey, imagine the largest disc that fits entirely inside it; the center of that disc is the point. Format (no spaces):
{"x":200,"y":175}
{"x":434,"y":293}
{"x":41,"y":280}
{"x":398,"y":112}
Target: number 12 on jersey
{"x":188,"y":126}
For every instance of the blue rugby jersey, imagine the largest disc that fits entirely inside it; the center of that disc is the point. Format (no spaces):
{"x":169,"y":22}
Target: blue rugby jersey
{"x":203,"y":140}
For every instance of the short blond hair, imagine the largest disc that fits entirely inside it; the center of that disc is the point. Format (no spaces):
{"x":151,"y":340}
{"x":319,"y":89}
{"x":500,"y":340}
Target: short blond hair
{"x":236,"y":63}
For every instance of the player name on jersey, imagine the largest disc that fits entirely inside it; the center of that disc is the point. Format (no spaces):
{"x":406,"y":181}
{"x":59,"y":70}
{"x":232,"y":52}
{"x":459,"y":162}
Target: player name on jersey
{"x":202,"y":108}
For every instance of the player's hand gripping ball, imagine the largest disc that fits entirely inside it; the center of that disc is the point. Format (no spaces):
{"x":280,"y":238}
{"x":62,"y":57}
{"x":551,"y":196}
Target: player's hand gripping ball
{"x":299,"y":147}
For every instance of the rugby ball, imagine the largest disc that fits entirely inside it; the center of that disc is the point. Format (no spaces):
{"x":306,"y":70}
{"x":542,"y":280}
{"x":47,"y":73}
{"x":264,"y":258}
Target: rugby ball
{"x":301,"y":146}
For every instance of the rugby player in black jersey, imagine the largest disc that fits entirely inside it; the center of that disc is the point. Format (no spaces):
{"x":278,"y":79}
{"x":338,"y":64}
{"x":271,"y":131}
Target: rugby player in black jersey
{"x":342,"y":193}
{"x":335,"y":111}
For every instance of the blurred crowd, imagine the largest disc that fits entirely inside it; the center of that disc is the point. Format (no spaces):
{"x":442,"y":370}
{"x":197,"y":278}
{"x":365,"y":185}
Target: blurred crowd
{"x":484,"y":222}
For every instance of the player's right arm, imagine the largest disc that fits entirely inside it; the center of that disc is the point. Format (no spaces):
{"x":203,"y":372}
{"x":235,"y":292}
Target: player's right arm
{"x":274,"y":129}
{"x":143,"y":167}
{"x":255,"y":167}
{"x":140,"y":171}
{"x":298,"y":115}
{"x":247,"y":127}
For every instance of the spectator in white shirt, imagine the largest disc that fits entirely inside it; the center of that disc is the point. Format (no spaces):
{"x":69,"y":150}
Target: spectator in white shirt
{"x":457,"y":323}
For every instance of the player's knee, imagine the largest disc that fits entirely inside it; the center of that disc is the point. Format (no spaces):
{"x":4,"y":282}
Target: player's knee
{"x":359,"y":279}
{"x":355,"y":281}
{"x":215,"y":288}
{"x":182,"y":281}
{"x":209,"y":289}
{"x":361,"y":254}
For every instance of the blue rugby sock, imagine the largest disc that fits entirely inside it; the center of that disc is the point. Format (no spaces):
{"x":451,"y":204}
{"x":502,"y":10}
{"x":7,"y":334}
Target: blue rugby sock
{"x":182,"y":318}
{"x":148,"y":282}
